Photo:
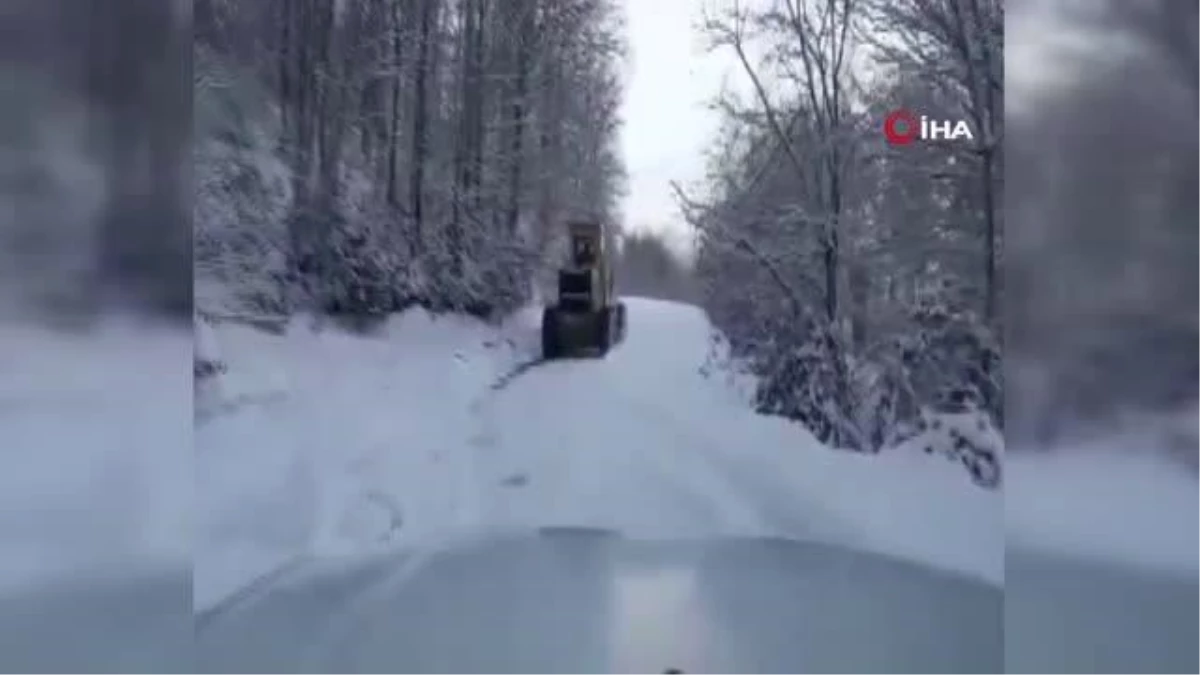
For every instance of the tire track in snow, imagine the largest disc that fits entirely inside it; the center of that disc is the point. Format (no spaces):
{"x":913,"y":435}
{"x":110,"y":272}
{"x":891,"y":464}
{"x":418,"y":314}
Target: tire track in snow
{"x":491,"y":459}
{"x":484,"y":438}
{"x":501,"y":383}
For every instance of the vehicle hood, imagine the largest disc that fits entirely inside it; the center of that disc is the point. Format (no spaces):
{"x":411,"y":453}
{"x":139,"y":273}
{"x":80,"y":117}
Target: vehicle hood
{"x":567,"y":600}
{"x":574,"y":600}
{"x":122,"y":620}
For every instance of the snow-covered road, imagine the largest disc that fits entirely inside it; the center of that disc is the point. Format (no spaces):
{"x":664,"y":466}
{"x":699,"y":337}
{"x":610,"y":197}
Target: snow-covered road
{"x":317,"y":448}
{"x":338,"y":445}
{"x":640,"y":443}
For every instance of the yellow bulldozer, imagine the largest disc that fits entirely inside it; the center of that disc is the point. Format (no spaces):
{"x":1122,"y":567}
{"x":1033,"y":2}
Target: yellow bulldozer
{"x":586,"y":317}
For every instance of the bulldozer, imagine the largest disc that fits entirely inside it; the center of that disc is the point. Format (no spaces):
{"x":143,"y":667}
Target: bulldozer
{"x":586,"y":318}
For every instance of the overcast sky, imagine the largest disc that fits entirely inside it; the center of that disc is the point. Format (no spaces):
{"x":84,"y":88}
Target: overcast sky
{"x":666,"y":127}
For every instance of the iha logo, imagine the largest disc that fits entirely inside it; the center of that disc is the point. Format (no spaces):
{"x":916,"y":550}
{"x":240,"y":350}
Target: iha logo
{"x":902,"y":127}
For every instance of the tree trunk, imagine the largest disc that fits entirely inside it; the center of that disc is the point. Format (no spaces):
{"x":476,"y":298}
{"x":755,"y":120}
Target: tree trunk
{"x":420,"y":140}
{"x":522,"y":29}
{"x":477,"y":101}
{"x":393,"y":199}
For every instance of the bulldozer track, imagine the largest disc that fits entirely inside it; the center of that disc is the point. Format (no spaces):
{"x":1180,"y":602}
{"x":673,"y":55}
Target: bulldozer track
{"x":504,"y":380}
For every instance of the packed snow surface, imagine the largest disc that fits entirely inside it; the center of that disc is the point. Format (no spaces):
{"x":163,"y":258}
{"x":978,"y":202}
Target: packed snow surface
{"x":321,"y":443}
{"x":96,"y":450}
{"x":318,"y":443}
{"x":1118,"y":499}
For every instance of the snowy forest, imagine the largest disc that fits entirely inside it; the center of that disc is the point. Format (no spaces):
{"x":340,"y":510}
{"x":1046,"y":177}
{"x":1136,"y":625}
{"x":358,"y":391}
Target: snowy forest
{"x":858,"y":280}
{"x":361,"y":157}
{"x":94,"y":159}
{"x":364,"y":156}
{"x":1101,"y":306}
{"x":863,"y":283}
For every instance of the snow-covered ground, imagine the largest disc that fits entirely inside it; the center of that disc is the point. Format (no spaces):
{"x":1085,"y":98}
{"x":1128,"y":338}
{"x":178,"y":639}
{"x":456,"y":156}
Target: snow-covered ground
{"x":319,"y":443}
{"x":1106,"y":500}
{"x":96,"y":451}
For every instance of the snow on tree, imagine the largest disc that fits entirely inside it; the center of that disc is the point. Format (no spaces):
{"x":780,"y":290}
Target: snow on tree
{"x":855,"y":279}
{"x":431,"y":147}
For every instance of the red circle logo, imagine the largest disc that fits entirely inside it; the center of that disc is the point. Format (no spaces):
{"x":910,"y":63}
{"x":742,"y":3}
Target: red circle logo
{"x":901,"y":127}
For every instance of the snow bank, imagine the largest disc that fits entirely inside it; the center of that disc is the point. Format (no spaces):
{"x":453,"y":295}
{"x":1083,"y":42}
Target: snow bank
{"x":904,"y":503}
{"x":907,"y":504}
{"x":327,"y":443}
{"x":1106,"y":499}
{"x":96,"y":451}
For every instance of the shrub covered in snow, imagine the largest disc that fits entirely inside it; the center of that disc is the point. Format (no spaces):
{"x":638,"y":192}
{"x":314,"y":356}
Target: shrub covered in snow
{"x":242,"y":195}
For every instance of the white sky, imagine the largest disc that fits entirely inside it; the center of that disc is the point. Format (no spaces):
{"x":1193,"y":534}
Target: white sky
{"x":669,"y":80}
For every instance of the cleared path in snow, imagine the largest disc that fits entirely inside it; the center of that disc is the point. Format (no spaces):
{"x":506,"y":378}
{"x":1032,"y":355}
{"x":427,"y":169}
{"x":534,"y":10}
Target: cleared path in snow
{"x":632,"y":442}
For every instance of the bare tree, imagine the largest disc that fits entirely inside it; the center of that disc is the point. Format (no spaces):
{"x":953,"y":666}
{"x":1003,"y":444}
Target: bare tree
{"x":814,"y":60}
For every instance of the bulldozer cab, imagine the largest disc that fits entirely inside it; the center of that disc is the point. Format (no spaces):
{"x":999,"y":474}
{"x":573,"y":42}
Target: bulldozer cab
{"x":583,"y":251}
{"x":586,"y":243}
